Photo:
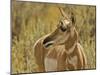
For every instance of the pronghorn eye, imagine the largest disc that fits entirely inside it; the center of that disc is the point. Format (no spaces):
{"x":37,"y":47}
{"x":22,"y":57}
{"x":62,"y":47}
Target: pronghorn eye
{"x":61,"y":23}
{"x":63,"y":29}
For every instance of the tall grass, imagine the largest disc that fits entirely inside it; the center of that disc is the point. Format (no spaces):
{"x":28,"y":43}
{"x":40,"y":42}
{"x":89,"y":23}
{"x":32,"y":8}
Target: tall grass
{"x":30,"y":21}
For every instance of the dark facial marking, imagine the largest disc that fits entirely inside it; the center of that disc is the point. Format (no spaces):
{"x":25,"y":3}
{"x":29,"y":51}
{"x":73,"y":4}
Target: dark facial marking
{"x":63,"y":29}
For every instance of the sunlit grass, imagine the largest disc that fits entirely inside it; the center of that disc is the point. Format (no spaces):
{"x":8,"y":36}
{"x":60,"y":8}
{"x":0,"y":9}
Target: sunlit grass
{"x":30,"y":21}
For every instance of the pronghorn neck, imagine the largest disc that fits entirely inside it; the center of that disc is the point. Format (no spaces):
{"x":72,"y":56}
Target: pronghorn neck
{"x":71,"y":49}
{"x":71,"y":42}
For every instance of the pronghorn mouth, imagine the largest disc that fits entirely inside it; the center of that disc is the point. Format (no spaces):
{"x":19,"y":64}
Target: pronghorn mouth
{"x":48,"y":44}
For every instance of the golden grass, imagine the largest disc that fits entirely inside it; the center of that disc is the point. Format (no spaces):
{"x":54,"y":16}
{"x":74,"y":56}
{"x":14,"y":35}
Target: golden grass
{"x":30,"y":21}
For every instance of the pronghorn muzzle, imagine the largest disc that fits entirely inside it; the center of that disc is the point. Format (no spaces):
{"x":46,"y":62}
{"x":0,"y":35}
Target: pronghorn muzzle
{"x":47,"y":42}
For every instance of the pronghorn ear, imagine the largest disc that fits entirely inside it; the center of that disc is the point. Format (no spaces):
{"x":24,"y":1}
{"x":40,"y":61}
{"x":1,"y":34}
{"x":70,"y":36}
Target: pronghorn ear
{"x":73,"y":18}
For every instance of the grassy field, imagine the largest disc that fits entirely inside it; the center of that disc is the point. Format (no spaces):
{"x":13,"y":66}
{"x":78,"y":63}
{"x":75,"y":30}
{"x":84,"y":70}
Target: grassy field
{"x":30,"y":21}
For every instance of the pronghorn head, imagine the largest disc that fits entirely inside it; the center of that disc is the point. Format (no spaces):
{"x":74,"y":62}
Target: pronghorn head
{"x":63,"y":32}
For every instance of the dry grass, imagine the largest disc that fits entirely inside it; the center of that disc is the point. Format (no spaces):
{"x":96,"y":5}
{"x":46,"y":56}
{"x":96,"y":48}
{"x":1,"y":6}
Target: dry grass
{"x":30,"y":21}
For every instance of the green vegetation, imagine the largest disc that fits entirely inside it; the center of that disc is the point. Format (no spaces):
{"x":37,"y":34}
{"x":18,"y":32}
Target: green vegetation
{"x":30,"y":21}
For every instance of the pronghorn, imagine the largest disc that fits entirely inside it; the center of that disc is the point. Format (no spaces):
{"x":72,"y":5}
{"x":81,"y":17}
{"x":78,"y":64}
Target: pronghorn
{"x":60,"y":50}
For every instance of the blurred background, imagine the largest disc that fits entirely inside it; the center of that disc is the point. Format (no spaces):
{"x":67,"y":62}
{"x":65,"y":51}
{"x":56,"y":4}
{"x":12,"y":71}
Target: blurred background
{"x":32,"y":20}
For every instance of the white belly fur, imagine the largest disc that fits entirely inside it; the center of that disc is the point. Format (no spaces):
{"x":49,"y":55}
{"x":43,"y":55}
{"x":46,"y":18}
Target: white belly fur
{"x":50,"y":64}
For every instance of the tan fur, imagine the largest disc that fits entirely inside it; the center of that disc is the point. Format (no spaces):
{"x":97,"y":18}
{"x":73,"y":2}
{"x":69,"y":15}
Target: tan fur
{"x":64,"y":60}
{"x":60,"y":50}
